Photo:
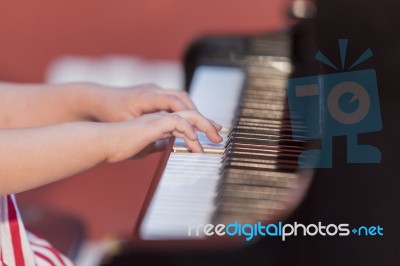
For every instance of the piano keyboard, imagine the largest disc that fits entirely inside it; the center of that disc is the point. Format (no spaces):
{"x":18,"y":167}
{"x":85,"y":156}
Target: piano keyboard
{"x":187,"y":189}
{"x":247,"y":178}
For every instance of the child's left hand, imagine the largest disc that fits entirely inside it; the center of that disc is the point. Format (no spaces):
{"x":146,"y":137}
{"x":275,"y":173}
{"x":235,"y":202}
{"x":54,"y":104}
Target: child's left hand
{"x":118,"y":104}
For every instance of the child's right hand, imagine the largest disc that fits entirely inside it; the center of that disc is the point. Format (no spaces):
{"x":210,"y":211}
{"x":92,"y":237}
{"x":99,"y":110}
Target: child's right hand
{"x":126,"y":139}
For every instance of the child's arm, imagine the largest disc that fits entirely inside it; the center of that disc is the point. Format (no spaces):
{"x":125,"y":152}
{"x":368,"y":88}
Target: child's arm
{"x":31,"y":157}
{"x":29,"y":105}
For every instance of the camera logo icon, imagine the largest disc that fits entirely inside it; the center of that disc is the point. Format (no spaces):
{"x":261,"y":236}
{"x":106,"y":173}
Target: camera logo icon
{"x":339,"y":104}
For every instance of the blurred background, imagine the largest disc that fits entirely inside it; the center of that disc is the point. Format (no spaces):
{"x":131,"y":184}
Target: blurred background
{"x":117,"y":43}
{"x":33,"y":34}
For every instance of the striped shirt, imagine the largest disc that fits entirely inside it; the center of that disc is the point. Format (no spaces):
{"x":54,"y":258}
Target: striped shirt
{"x":22,"y":248}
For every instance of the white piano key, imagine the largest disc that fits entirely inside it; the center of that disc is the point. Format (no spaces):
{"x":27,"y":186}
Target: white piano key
{"x":186,"y":191}
{"x":182,"y":197}
{"x":216,"y":92}
{"x":205,"y":142}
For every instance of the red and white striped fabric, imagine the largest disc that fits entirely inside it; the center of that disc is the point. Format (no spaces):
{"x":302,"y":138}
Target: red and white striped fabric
{"x":18,"y":246}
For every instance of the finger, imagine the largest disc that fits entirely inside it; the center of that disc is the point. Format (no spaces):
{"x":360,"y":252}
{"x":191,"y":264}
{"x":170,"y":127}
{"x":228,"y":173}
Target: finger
{"x":202,"y":124}
{"x":183,"y":129}
{"x":193,"y":145}
{"x":216,"y":125}
{"x":184,"y":97}
{"x":168,"y":102}
{"x":173,"y":122}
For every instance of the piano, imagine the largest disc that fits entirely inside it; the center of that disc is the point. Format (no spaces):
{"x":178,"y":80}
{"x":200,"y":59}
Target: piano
{"x":240,"y":82}
{"x":355,"y":194}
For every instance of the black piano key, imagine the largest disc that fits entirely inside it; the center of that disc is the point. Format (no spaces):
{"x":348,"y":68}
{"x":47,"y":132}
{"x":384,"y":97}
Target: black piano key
{"x":260,"y":160}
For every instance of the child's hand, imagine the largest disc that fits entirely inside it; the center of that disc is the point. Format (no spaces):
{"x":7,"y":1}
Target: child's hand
{"x":128,"y":138}
{"x":118,"y":104}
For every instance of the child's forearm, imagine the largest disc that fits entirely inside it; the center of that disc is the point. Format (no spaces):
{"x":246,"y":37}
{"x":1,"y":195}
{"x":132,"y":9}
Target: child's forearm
{"x":36,"y":149}
{"x":33,"y":157}
{"x":28,"y":105}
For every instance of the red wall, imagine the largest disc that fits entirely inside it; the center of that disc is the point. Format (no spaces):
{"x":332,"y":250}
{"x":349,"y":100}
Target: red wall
{"x":32,"y":33}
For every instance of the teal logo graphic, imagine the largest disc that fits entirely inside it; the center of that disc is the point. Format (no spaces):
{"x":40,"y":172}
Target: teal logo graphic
{"x":339,"y":104}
